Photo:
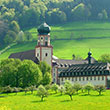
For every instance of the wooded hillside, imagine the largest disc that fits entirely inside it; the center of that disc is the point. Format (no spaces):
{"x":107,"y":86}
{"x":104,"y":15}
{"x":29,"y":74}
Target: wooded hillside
{"x":29,"y":13}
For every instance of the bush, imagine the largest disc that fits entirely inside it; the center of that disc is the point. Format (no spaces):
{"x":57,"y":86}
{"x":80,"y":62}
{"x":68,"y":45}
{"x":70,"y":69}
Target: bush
{"x":69,"y":89}
{"x":16,"y":90}
{"x":26,"y":90}
{"x":61,"y":89}
{"x":54,"y":88}
{"x":42,"y":92}
{"x":7,"y":89}
{"x":47,"y":87}
{"x":77,"y":87}
{"x":99,"y":88}
{"x":88,"y":87}
{"x":32,"y":88}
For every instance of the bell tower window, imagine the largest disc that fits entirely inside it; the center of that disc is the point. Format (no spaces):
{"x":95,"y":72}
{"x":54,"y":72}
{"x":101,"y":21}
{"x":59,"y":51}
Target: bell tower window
{"x":46,"y":43}
{"x":46,"y":54}
{"x":37,"y":54}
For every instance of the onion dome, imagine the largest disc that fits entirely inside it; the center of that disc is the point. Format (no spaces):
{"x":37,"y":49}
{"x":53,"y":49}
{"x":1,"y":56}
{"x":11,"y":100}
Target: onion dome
{"x":89,"y":53}
{"x":44,"y":29}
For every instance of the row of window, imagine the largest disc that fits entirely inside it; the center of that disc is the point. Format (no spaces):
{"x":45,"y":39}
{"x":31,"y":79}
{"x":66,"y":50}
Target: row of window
{"x":85,"y":73}
{"x":41,"y":38}
{"x":41,"y":43}
{"x":83,"y":78}
{"x":46,"y":54}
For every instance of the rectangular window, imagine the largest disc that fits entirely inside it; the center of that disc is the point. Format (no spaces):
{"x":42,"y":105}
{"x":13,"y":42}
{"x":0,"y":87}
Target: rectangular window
{"x":72,"y":79}
{"x":46,"y":38}
{"x":79,"y":78}
{"x":62,"y":79}
{"x":46,"y":43}
{"x":99,"y":78}
{"x":94,"y":78}
{"x":87,"y":78}
{"x":76,"y":78}
{"x":91,"y":77}
{"x":102,"y":77}
{"x":54,"y":74}
{"x":83,"y":78}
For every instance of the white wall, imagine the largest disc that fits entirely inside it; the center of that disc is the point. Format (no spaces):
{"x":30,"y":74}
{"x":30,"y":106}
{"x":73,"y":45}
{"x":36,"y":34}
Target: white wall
{"x":37,"y":52}
{"x":54,"y":74}
{"x":85,"y":81}
{"x":45,"y":50}
{"x":48,"y":58}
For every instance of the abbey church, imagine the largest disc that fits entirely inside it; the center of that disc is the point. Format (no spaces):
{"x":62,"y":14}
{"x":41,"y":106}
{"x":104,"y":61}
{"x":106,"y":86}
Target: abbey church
{"x":83,"y":71}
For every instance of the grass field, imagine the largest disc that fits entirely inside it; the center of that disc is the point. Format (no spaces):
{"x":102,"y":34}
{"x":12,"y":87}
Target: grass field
{"x":65,"y":48}
{"x":78,"y":29}
{"x":55,"y":102}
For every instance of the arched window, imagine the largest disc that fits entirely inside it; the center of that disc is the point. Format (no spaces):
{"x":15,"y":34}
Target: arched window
{"x":46,"y":54}
{"x":37,"y":54}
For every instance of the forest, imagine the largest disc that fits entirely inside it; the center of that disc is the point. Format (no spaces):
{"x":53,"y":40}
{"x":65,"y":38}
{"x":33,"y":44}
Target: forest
{"x":21,"y":14}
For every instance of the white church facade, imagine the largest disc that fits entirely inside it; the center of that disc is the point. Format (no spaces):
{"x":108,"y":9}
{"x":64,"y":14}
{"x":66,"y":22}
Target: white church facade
{"x":80,"y":71}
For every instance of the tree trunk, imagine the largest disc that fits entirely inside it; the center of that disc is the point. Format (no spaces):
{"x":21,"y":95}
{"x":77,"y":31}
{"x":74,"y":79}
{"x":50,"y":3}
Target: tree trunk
{"x":88,"y":92}
{"x":71,"y":97}
{"x":41,"y":98}
{"x":61,"y":93}
{"x":31,"y":92}
{"x":77,"y":92}
{"x":99,"y":92}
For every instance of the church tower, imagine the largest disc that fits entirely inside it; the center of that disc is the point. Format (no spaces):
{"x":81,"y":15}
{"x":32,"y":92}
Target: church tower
{"x":44,"y":50}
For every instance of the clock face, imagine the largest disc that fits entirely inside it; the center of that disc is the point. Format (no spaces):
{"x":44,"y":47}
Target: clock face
{"x":41,"y":38}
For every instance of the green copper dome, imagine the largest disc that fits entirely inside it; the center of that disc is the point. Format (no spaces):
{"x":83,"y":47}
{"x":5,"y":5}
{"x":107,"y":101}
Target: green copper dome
{"x":89,"y":53}
{"x":44,"y":29}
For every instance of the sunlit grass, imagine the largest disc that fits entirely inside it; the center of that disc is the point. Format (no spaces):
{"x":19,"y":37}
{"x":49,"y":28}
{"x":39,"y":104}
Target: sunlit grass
{"x":65,"y":48}
{"x":56,"y":102}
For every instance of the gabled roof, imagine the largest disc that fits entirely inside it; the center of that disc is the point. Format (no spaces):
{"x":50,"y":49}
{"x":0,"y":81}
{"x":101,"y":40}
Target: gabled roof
{"x":29,"y":55}
{"x":90,"y":69}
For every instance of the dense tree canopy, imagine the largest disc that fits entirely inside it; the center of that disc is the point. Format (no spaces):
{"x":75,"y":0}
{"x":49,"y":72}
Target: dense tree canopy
{"x":17,"y":73}
{"x":33,"y":12}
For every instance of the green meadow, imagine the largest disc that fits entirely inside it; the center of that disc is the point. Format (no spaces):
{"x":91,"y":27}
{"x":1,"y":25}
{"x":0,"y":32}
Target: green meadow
{"x":99,"y":43}
{"x":78,"y":29}
{"x":55,"y":102}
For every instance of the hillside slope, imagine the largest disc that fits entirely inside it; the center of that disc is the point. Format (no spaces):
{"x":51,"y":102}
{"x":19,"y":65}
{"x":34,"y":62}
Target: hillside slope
{"x":93,"y":35}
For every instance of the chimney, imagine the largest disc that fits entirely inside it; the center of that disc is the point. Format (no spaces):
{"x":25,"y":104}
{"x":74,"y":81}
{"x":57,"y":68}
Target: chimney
{"x":89,"y":57}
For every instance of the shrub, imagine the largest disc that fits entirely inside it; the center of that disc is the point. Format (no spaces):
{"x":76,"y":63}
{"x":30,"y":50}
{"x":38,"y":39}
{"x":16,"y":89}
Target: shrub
{"x":42,"y":92}
{"x":32,"y":88}
{"x":7,"y":89}
{"x":88,"y":87}
{"x":61,"y":89}
{"x":26,"y":90}
{"x":47,"y":87}
{"x":16,"y":90}
{"x":54,"y":87}
{"x":69,"y":90}
{"x":77,"y":87}
{"x":100,"y":88}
